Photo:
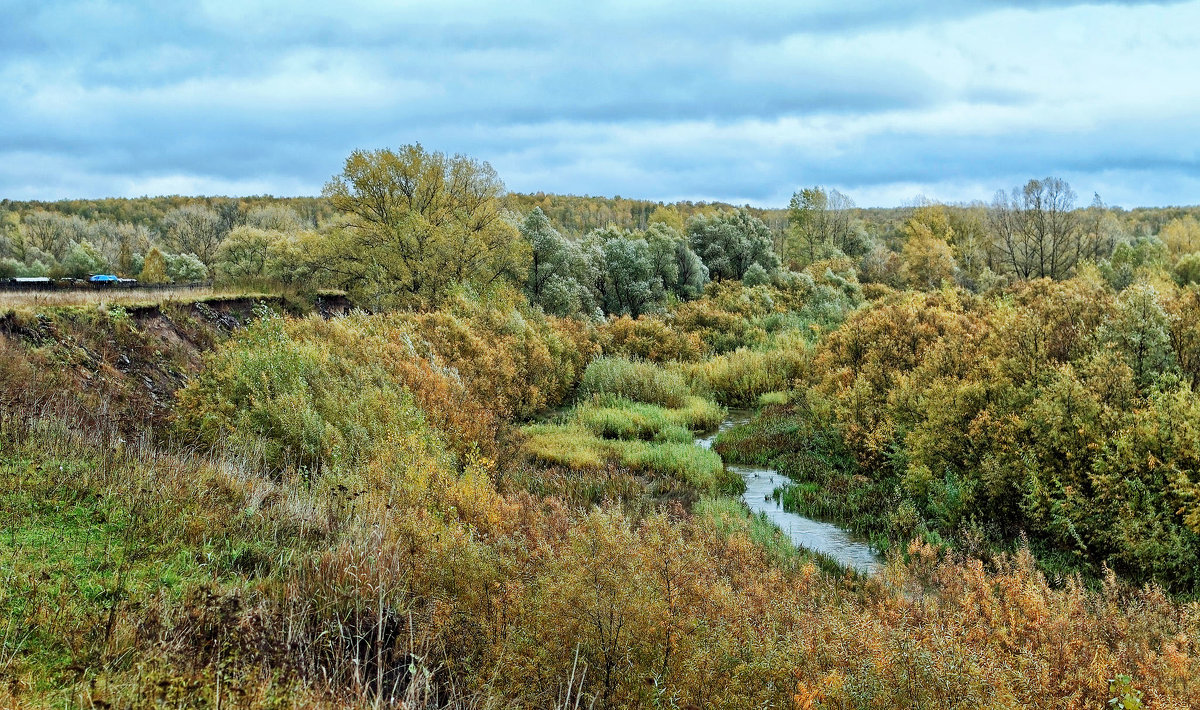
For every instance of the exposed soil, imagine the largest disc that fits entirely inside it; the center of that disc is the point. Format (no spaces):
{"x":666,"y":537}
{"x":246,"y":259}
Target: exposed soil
{"x":115,"y":370}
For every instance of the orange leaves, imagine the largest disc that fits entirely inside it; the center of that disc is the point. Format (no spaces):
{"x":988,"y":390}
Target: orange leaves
{"x":805,"y":698}
{"x":1054,"y":647}
{"x":649,"y":338}
{"x":517,"y":364}
{"x":814,"y":693}
{"x":1029,"y":411}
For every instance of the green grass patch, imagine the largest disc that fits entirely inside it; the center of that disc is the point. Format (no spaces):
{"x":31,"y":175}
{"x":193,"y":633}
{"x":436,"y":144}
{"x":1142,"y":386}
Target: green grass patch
{"x":645,"y":422}
{"x":617,"y":418}
{"x":578,"y":448}
{"x":91,"y":538}
{"x":570,"y":445}
{"x":645,"y":438}
{"x":698,"y":467}
{"x":772,"y":399}
{"x":699,"y":414}
{"x":70,"y":557}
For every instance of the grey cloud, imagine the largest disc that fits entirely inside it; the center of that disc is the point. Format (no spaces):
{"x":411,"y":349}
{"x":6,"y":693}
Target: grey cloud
{"x":551,"y":97}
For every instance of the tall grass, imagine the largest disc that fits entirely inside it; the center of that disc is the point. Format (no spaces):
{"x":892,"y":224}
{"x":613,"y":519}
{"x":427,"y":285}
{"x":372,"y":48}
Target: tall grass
{"x":700,"y":468}
{"x":577,"y":447}
{"x":616,"y":418}
{"x":739,"y":378}
{"x":634,"y":380}
{"x":648,"y":438}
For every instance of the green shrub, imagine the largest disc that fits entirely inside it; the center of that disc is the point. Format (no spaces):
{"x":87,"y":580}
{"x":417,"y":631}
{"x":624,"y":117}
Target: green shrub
{"x":651,"y":338}
{"x":720,"y":330}
{"x":299,"y":402}
{"x":634,"y":380}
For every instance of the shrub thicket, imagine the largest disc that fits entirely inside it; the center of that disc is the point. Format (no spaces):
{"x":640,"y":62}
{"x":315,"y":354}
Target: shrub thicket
{"x":409,"y":582}
{"x":651,"y":338}
{"x":1062,"y":410}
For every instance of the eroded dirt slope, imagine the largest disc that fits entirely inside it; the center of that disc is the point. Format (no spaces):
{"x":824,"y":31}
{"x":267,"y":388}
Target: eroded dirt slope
{"x":113,"y":369}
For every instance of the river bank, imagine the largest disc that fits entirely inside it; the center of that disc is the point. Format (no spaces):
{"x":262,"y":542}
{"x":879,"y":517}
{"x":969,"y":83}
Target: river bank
{"x":840,"y":545}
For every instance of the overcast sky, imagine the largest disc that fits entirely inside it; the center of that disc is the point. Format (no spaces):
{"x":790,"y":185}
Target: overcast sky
{"x":736,"y":101}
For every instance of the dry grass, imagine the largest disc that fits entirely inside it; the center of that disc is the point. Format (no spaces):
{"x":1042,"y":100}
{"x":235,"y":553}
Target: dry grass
{"x":27,"y":300}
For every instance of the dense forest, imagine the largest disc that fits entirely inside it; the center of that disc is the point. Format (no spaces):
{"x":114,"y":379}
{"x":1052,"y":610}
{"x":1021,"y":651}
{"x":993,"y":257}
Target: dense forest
{"x":439,"y":451}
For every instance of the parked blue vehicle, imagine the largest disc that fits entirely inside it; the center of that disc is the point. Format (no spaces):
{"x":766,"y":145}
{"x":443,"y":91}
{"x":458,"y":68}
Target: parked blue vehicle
{"x":104,"y":278}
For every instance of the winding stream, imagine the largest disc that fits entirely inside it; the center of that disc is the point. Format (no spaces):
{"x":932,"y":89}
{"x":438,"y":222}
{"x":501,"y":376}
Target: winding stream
{"x":849,"y":550}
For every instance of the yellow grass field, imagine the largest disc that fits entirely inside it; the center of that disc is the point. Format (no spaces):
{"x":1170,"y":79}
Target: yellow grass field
{"x":12,"y":300}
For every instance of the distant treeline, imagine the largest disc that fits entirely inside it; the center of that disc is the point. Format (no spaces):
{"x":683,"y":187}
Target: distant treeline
{"x":150,"y":212}
{"x":576,"y":214}
{"x":572,"y":214}
{"x":1033,"y":231}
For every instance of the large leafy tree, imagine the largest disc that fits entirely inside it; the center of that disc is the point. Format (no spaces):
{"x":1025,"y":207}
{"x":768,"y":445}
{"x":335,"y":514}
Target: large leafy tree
{"x":547,"y":248}
{"x":928,"y":257}
{"x":680,"y":269}
{"x":417,"y":223}
{"x":731,"y":242}
{"x":245,"y":253}
{"x":627,"y":283}
{"x":611,"y":271}
{"x":1181,"y":235}
{"x":12,"y":243}
{"x":82,"y":260}
{"x":562,"y":274}
{"x":185,"y":268}
{"x":154,"y":269}
{"x":52,"y":233}
{"x":275,"y":218}
{"x":1141,"y":330}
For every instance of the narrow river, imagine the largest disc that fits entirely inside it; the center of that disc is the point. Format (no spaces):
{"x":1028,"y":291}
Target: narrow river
{"x":849,"y":550}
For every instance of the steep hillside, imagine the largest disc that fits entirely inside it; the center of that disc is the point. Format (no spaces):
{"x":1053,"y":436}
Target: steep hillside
{"x":114,"y":369}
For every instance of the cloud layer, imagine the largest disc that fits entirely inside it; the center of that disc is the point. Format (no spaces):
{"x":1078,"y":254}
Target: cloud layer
{"x":882,"y":100}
